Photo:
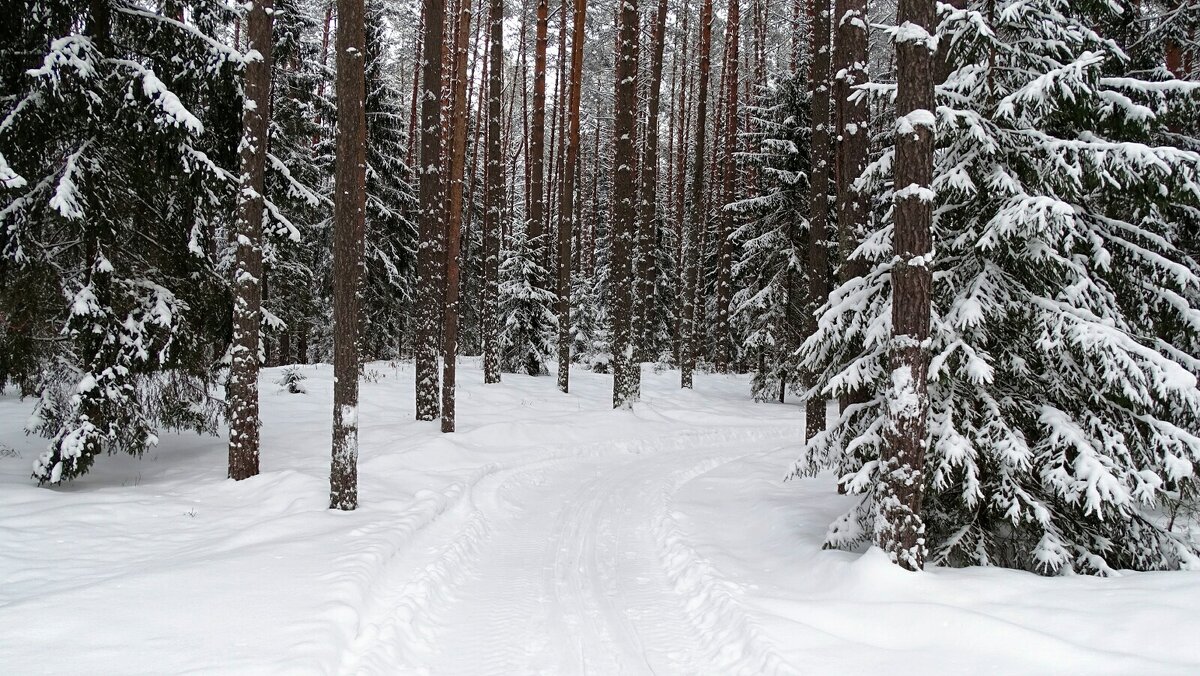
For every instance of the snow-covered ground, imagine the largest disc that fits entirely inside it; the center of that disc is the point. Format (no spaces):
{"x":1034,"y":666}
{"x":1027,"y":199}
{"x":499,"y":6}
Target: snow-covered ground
{"x":550,"y":535}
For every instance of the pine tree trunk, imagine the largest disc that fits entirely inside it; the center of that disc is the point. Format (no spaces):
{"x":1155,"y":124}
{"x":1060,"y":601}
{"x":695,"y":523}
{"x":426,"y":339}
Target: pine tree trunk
{"x":416,"y":94}
{"x":721,"y":351}
{"x":624,"y":221}
{"x":349,"y":207}
{"x":668,"y":214}
{"x":493,"y":198}
{"x":902,"y":469}
{"x":248,"y":266}
{"x":324,"y":44}
{"x":567,"y":224}
{"x":535,"y":224}
{"x":285,"y":348}
{"x":558,"y":138}
{"x":648,"y":207}
{"x":818,"y":215}
{"x":595,"y":221}
{"x":429,"y":261}
{"x":454,"y":217}
{"x":850,"y":58}
{"x":269,"y":356}
{"x":696,"y":212}
{"x":684,"y":102}
{"x":302,"y":344}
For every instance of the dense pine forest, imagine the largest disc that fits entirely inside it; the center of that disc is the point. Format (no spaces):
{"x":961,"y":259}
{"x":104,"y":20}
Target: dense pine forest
{"x":965,"y":234}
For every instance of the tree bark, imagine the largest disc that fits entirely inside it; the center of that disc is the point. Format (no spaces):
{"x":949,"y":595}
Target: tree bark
{"x":429,"y":261}
{"x":493,"y":198}
{"x":523,"y":61}
{"x":349,"y":206}
{"x":697,"y":213}
{"x":566,"y":222}
{"x":850,"y":58}
{"x":248,"y":265}
{"x":685,"y":103}
{"x":624,"y":222}
{"x":648,"y":207}
{"x":454,"y":217}
{"x":558,"y":137}
{"x":902,"y":469}
{"x":818,"y":214}
{"x":535,"y":229}
{"x":595,"y":221}
{"x":721,"y":353}
{"x":416,"y":94}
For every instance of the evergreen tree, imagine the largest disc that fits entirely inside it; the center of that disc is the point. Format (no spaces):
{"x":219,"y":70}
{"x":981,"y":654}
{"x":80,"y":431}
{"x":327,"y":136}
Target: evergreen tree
{"x":115,"y":318}
{"x":1062,"y":385}
{"x":589,"y":337}
{"x":770,"y":273}
{"x":526,"y":309}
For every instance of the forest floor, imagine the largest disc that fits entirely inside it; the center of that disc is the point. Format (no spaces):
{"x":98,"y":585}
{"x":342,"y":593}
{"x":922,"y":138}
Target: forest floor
{"x":550,"y":535}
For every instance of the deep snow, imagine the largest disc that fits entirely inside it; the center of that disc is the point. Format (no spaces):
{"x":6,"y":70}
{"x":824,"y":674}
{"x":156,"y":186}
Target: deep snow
{"x":549,"y":535}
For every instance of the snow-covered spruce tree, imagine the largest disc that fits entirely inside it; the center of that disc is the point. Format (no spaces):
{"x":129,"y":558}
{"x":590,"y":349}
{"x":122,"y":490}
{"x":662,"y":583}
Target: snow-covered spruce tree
{"x":770,"y":274}
{"x":118,"y":126}
{"x":1062,"y":388}
{"x":527,"y":319}
{"x":589,"y":335}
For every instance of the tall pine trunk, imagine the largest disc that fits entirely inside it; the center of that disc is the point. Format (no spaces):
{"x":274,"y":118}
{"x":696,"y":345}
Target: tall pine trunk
{"x":721,"y":352}
{"x":566,"y":221}
{"x":349,"y":211}
{"x":622,"y":267}
{"x":416,"y":94}
{"x":696,"y":212}
{"x":535,"y":227}
{"x":902,"y":532}
{"x":429,"y":261}
{"x":493,"y":198}
{"x":818,"y":214}
{"x":850,"y":57}
{"x":648,"y":207}
{"x":684,"y":102}
{"x":454,"y":217}
{"x":248,"y":266}
{"x":558,"y":134}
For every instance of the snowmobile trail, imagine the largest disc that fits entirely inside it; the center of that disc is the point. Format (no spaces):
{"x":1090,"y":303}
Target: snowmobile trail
{"x":557,"y":567}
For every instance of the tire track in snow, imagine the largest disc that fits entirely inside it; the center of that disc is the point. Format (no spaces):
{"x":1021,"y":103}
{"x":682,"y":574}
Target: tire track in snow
{"x":410,"y":616}
{"x":614,"y":603}
{"x":376,"y":560}
{"x":736,"y":645}
{"x":401,"y":621}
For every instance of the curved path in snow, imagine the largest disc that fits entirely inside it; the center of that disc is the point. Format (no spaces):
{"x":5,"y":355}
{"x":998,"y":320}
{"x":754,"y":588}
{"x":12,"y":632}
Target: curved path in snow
{"x":567,"y":565}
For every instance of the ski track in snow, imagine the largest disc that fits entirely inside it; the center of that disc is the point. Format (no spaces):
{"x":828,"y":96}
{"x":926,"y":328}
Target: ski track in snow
{"x":571,"y":564}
